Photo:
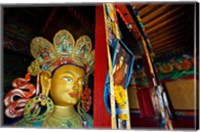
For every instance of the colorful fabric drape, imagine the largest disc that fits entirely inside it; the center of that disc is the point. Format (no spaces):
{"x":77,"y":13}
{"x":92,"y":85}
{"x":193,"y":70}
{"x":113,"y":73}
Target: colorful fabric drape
{"x":145,"y":103}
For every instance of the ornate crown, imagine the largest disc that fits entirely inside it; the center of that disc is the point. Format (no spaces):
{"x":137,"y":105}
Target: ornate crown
{"x":64,"y":50}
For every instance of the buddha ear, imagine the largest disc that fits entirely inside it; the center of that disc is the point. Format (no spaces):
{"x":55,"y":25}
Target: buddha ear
{"x":45,"y":80}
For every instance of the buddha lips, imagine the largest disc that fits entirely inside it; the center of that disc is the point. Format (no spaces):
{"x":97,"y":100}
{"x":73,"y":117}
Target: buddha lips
{"x":73,"y":94}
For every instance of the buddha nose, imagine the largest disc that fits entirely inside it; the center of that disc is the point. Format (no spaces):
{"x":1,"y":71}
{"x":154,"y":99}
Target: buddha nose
{"x":75,"y":86}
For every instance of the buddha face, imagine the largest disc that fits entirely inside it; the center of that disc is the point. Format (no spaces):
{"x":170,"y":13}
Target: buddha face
{"x":67,"y":85}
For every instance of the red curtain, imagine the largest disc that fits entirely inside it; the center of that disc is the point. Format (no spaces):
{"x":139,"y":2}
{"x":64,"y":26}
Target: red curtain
{"x":145,"y":103}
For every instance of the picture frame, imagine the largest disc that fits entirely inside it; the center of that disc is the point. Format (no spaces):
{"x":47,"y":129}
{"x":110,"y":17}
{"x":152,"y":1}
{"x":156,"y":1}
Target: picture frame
{"x":122,"y":61}
{"x":116,"y":53}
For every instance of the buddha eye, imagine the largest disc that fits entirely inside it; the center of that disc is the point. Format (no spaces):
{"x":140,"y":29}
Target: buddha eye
{"x":68,"y":79}
{"x":81,"y":83}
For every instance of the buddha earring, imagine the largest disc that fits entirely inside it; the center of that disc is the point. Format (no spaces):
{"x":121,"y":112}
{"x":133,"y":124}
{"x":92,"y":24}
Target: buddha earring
{"x":86,"y":99}
{"x":32,"y":111}
{"x":39,"y":108}
{"x":84,"y":115}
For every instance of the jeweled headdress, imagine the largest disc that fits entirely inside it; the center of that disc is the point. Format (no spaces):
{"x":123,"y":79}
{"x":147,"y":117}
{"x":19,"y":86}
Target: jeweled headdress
{"x":64,"y":50}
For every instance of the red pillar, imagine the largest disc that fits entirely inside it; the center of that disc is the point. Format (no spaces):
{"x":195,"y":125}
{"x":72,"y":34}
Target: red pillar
{"x":101,"y":116}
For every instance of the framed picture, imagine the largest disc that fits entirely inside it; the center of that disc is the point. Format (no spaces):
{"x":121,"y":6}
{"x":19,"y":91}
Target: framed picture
{"x":122,"y":64}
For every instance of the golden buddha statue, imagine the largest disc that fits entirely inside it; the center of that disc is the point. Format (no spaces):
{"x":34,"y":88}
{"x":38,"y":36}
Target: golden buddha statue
{"x":62,"y":74}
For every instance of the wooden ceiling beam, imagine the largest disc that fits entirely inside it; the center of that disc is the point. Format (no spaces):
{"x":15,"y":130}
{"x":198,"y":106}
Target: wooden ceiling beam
{"x":154,"y":28}
{"x":175,"y":49}
{"x":170,"y":47}
{"x":168,"y":50}
{"x":167,"y":38}
{"x":173,"y":44}
{"x":163,"y":17}
{"x":167,"y":42}
{"x":139,"y":5}
{"x":164,"y":29}
{"x":155,"y":13}
{"x":147,"y":9}
{"x":166,"y":33}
